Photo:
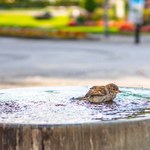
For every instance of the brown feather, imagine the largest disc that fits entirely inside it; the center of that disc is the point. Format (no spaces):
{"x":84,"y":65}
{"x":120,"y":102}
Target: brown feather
{"x":96,"y":91}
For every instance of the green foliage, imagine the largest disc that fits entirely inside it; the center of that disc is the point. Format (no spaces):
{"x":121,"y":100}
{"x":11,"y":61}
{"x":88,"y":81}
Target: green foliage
{"x":36,"y":3}
{"x":81,"y":20}
{"x":99,"y":14}
{"x":100,"y":3}
{"x":147,"y":16}
{"x":89,"y":5}
{"x":66,"y":2}
{"x":24,"y":4}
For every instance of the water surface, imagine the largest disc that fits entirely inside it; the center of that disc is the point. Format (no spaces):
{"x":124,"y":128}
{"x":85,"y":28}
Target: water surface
{"x":56,"y":105}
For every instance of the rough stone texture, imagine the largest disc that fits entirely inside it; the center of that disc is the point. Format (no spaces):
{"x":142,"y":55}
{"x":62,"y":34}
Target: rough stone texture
{"x":117,"y":135}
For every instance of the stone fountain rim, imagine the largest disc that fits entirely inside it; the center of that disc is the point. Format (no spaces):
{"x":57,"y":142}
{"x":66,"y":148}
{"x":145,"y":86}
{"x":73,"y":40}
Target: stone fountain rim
{"x":99,"y":123}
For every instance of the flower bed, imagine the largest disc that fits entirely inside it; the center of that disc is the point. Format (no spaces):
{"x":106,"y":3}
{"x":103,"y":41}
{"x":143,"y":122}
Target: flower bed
{"x":72,"y":31}
{"x":38,"y":33}
{"x":120,"y":27}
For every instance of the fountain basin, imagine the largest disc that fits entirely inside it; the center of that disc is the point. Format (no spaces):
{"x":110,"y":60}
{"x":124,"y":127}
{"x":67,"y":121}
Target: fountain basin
{"x":51,"y":118}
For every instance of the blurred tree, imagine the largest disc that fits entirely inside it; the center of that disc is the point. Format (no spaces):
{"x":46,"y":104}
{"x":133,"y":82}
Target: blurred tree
{"x":89,"y":5}
{"x":55,"y":2}
{"x":22,"y":3}
{"x":67,"y":2}
{"x":100,"y":2}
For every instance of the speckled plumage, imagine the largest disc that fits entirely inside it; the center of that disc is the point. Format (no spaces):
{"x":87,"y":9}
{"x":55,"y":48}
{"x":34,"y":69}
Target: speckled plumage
{"x":98,"y":94}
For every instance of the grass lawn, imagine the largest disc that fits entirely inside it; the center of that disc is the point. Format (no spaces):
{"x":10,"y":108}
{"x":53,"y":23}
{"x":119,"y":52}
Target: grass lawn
{"x":25,"y":19}
{"x":89,"y":29}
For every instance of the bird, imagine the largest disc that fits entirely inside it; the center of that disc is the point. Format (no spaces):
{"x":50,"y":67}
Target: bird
{"x":99,"y":94}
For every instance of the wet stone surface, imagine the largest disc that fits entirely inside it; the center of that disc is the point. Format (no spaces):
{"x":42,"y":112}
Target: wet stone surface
{"x":56,"y":105}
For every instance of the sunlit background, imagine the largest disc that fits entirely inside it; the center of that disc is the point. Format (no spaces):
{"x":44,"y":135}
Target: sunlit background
{"x":74,"y":42}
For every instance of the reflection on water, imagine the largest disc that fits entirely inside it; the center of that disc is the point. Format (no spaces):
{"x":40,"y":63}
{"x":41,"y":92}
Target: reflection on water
{"x":56,"y":106}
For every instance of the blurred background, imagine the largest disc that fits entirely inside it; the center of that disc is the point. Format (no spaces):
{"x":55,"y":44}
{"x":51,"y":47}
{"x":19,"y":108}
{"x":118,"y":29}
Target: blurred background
{"x":74,"y":42}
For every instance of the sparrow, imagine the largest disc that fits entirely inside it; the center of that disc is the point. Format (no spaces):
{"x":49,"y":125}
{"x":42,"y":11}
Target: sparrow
{"x":98,"y":94}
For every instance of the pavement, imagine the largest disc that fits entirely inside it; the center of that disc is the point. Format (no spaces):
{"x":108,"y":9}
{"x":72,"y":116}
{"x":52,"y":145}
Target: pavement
{"x":45,"y":62}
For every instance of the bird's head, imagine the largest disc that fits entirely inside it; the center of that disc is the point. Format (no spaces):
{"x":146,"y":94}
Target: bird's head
{"x":113,"y":88}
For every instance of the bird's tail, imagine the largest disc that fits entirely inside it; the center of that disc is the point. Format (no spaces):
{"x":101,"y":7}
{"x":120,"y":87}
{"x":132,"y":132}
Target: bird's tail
{"x":82,"y":98}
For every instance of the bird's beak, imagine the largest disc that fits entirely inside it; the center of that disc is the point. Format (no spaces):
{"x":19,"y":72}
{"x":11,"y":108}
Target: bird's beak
{"x":118,"y":91}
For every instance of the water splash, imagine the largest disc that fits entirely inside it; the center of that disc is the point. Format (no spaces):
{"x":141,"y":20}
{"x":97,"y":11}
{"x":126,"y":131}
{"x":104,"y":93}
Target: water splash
{"x":55,"y":106}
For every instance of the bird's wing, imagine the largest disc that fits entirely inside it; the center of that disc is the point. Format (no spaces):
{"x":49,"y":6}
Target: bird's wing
{"x":96,"y":91}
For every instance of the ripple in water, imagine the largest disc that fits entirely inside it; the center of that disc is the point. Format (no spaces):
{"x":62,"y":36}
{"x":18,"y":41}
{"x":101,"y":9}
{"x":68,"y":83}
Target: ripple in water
{"x":56,"y":106}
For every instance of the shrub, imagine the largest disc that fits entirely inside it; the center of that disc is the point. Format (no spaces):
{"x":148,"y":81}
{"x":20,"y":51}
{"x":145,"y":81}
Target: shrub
{"x":98,"y":14}
{"x":147,"y":16}
{"x":89,"y":5}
